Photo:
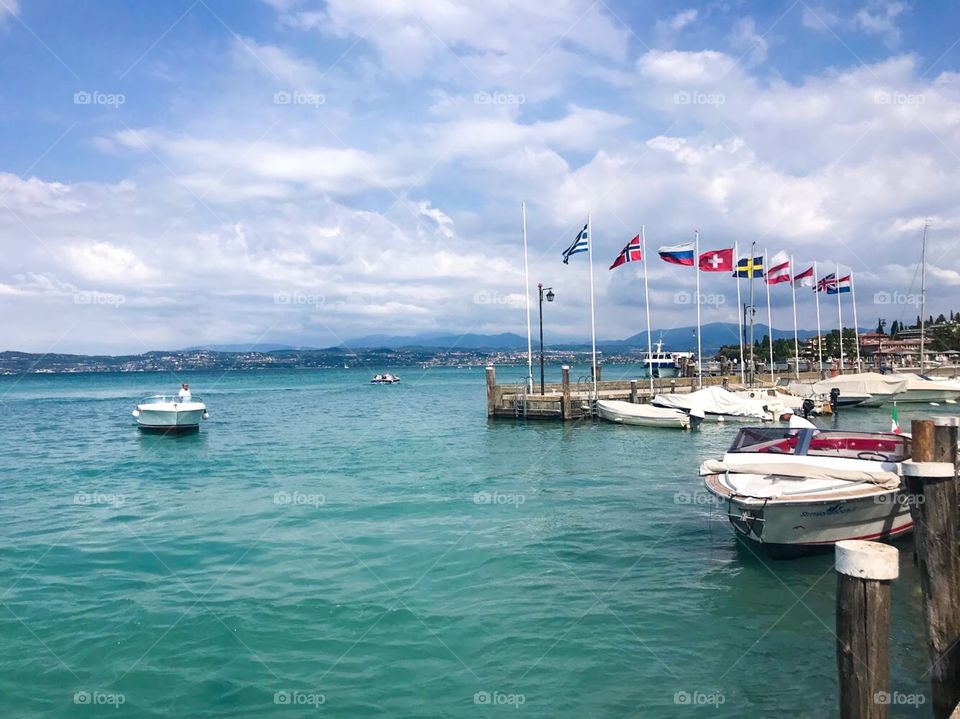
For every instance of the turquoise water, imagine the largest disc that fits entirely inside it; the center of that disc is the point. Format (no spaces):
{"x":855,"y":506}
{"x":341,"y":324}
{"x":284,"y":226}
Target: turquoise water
{"x":328,"y":547}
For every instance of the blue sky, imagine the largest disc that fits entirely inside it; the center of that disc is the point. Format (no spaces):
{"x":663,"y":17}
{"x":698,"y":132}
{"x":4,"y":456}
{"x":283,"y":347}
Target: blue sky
{"x":306,"y":171}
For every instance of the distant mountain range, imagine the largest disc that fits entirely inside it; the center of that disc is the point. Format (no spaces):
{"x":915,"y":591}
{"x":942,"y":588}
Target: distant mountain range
{"x":677,"y":339}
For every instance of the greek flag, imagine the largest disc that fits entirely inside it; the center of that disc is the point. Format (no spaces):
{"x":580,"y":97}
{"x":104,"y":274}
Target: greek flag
{"x":581,"y":243}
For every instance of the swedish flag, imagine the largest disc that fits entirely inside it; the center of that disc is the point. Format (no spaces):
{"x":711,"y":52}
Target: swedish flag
{"x":749,"y":267}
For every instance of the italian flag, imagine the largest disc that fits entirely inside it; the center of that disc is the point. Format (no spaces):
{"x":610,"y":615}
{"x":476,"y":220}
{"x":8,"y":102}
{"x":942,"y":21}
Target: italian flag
{"x":895,"y":420}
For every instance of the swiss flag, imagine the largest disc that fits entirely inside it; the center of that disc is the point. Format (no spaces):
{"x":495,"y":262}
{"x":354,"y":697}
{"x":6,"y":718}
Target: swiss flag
{"x":717,"y":261}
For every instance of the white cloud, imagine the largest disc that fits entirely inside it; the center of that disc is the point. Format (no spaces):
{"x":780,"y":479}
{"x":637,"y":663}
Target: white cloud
{"x":747,"y":41}
{"x":686,"y":68}
{"x":819,"y":18}
{"x":880,"y":18}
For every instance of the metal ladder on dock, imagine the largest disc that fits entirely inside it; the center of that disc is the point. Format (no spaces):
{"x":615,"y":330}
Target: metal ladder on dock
{"x":520,"y":404}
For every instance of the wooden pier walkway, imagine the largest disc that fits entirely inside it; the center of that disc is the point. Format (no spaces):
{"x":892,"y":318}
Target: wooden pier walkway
{"x":571,"y":400}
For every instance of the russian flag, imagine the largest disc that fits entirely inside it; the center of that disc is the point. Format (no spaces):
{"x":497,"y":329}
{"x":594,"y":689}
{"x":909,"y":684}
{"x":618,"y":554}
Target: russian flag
{"x":677,"y":254}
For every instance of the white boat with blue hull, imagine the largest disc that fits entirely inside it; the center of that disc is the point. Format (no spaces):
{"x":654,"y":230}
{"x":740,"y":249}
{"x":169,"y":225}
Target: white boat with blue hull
{"x":163,"y":413}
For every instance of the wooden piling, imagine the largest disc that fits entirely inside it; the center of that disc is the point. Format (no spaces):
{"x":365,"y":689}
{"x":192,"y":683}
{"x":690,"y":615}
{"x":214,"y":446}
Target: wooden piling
{"x":565,"y":388}
{"x":633,"y":391}
{"x":932,"y":485}
{"x":864,"y":573}
{"x":491,"y":390}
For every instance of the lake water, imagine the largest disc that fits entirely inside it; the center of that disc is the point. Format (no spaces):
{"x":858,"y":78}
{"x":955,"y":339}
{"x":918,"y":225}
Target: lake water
{"x":324,"y":547}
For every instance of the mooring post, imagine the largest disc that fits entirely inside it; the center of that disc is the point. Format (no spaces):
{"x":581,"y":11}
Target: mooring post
{"x":565,"y":382}
{"x":491,"y":390}
{"x":864,"y":573}
{"x":932,"y":485}
{"x":633,"y":391}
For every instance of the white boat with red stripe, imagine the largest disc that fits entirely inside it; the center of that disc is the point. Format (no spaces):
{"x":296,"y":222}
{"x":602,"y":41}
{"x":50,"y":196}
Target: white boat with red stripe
{"x":798,"y":489}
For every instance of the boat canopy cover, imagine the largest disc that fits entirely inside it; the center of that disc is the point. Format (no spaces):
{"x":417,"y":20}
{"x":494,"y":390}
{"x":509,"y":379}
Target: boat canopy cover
{"x":913,"y":381}
{"x":802,"y":470}
{"x":863,"y":383}
{"x":639,"y":410}
{"x":714,"y":400}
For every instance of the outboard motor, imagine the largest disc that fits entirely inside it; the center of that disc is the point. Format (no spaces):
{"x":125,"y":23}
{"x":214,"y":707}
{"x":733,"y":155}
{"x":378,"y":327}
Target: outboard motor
{"x":806,"y":409}
{"x":834,"y":399}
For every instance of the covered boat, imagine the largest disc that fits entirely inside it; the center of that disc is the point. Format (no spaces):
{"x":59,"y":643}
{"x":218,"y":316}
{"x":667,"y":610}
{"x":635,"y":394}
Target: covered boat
{"x":645,"y":415}
{"x":869,"y":389}
{"x":793,"y":490}
{"x":718,"y":404}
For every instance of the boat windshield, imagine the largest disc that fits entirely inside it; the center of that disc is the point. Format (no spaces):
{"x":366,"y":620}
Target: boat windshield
{"x":822,"y":443}
{"x":167,"y":398}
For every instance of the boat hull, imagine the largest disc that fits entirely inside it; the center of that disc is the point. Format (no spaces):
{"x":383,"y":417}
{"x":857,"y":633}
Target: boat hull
{"x":644,"y":416}
{"x":792,"y":527}
{"x":169,"y":420}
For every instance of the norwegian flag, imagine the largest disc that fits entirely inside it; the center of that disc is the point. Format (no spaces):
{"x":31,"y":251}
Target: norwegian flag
{"x":630,"y":253}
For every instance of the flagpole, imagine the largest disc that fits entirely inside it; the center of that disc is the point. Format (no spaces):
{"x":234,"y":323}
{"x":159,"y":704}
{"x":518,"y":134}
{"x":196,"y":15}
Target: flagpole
{"x":839,"y":317}
{"x":750,"y":273}
{"x":696,"y":268}
{"x":646,"y":297}
{"x":736,"y":260}
{"x":856,"y":331}
{"x":526,"y":274}
{"x":796,"y":332}
{"x":766,"y":279}
{"x":593,"y":320}
{"x":816,"y":292}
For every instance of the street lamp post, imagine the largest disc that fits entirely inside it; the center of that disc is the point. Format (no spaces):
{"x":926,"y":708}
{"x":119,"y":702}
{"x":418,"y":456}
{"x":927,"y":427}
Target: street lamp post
{"x":550,"y":296}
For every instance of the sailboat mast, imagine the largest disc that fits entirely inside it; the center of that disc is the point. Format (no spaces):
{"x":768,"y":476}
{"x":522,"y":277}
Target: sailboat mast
{"x":923,"y":295}
{"x":526,"y":274}
{"x":646,"y":297}
{"x":753,"y":248}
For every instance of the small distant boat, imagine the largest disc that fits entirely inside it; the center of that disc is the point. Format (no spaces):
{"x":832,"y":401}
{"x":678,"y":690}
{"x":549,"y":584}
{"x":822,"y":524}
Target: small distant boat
{"x":162,"y":413}
{"x":386,"y":378}
{"x":645,"y":415}
{"x":797,"y":489}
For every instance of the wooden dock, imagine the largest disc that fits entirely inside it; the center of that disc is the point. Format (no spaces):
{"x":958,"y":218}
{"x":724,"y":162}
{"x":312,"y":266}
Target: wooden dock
{"x":572,"y":399}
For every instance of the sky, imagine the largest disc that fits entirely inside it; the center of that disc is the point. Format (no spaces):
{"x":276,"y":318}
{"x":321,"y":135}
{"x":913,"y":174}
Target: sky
{"x":311,"y":171}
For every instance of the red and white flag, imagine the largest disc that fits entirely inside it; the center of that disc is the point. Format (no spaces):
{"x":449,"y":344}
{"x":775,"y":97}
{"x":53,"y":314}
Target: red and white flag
{"x":716,"y":261}
{"x":630,"y":253}
{"x":805,"y":278}
{"x":779,"y":269}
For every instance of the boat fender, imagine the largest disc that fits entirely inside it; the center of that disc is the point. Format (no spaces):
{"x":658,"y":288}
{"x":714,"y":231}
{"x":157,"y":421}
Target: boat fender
{"x":136,"y":413}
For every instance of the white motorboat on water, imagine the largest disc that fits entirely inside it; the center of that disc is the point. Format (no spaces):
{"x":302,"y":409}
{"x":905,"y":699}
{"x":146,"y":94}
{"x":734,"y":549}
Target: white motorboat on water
{"x":780,"y":395}
{"x":163,"y":413}
{"x":645,"y":415}
{"x":793,"y":490}
{"x":385,"y":378}
{"x":720,"y":405}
